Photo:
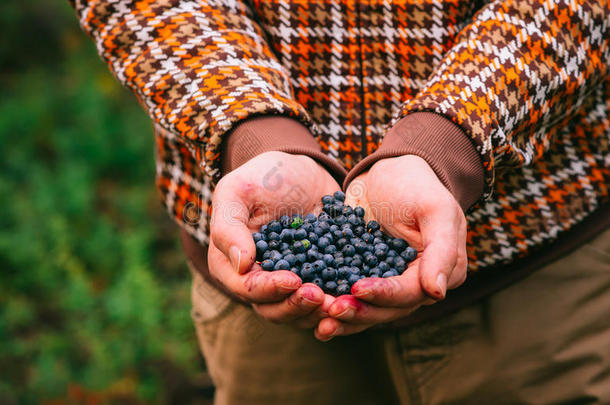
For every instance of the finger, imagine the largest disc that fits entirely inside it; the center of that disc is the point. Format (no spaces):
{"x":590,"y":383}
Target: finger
{"x":459,"y":273}
{"x":439,"y":256}
{"x":228,"y":227}
{"x":328,"y":328}
{"x":256,"y":286}
{"x":302,"y":302}
{"x":351,"y":310}
{"x":400,"y":291}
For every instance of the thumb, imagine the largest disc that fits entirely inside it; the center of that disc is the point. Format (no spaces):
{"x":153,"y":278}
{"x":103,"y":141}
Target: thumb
{"x":439,"y":255}
{"x":229,"y":232}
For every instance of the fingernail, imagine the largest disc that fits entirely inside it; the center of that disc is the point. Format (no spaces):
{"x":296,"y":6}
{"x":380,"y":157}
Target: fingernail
{"x":338,"y":330}
{"x":441,"y":281}
{"x":347,"y":314}
{"x":235,"y":257}
{"x":287,"y":286}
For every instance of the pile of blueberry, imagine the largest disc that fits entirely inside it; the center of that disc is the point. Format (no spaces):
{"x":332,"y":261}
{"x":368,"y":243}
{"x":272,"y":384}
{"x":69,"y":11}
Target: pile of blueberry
{"x":334,"y":249}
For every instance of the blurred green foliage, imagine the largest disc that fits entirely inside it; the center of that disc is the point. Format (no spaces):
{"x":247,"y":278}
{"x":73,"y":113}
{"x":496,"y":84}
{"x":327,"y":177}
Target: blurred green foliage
{"x":94,"y":296}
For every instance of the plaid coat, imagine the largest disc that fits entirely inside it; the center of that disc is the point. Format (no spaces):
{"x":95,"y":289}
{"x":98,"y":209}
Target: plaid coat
{"x":527,"y":81}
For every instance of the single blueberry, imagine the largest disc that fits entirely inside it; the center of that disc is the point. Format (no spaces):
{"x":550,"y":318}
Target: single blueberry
{"x":330,"y":287}
{"x":273,"y":236}
{"x":287,"y":235}
{"x":409,"y":254}
{"x":300,"y":234}
{"x":343,"y":289}
{"x":319,"y":265}
{"x":353,"y":220}
{"x":282,"y":265}
{"x":276,"y":256}
{"x":258,"y":236}
{"x":399,"y":263}
{"x":347,"y":232}
{"x":367,"y":237}
{"x":323,"y":218}
{"x":379,"y":234}
{"x":377,"y":241}
{"x":285,"y":221}
{"x":348,"y":250}
{"x":390,"y":260}
{"x":391,"y":273}
{"x":359,"y":230}
{"x":298,"y":247}
{"x":329,"y":260}
{"x":323,"y":243}
{"x":339,"y":195}
{"x":339,"y":260}
{"x":340,"y":220}
{"x":312,"y":255}
{"x":307,"y":272}
{"x":340,"y":243}
{"x":307,"y":227}
{"x":328,"y":199}
{"x":380,"y":254}
{"x":275,"y":226}
{"x":391,"y":253}
{"x":290,"y":258}
{"x":383,"y":266}
{"x":374,"y":272}
{"x":310,"y":218}
{"x":359,"y":211}
{"x":343,"y":272}
{"x":329,"y":273}
{"x":372,"y":226}
{"x":261,"y":247}
{"x":371,"y":260}
{"x":313,"y":238}
{"x":356,"y":261}
{"x":267,"y":254}
{"x":267,"y":265}
{"x":347,"y":210}
{"x":264,"y":229}
{"x":301,"y":258}
{"x":318,"y":281}
{"x":353,"y":278}
{"x":360,"y":247}
{"x":337,"y":234}
{"x":330,"y":249}
{"x":382,"y":246}
{"x":398,"y":244}
{"x":334,"y":228}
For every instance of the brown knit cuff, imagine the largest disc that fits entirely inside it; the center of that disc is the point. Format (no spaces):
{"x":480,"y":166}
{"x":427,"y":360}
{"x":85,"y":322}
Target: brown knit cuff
{"x":274,"y":133}
{"x":442,"y":144}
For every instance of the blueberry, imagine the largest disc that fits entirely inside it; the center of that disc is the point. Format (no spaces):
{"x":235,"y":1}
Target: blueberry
{"x":328,"y":199}
{"x":343,"y":272}
{"x":379,"y":234}
{"x":337,"y":234}
{"x":353,"y":278}
{"x":285,"y":221}
{"x":329,"y":260}
{"x":258,"y":236}
{"x":390,"y":259}
{"x":398,"y":244}
{"x":348,"y":250}
{"x":330,"y":249}
{"x":300,"y":234}
{"x":310,"y":218}
{"x":282,"y":265}
{"x":329,"y":274}
{"x":267,"y":265}
{"x":313,"y":238}
{"x":334,"y":210}
{"x":359,"y":230}
{"x":347,"y":232}
{"x":330,"y":287}
{"x":323,"y":218}
{"x":261,"y":247}
{"x":380,"y":254}
{"x":301,"y":258}
{"x":267,"y":255}
{"x":391,"y":273}
{"x":360,"y":247}
{"x":356,"y":261}
{"x":400,"y":264}
{"x":374,"y":272}
{"x":319,"y":265}
{"x":307,"y":272}
{"x":383,"y":247}
{"x":339,"y":260}
{"x":296,"y":271}
{"x":287,"y":235}
{"x":371,"y":260}
{"x":263,"y":229}
{"x":339,"y":195}
{"x":283,"y":246}
{"x":409,"y":254}
{"x":276,"y":256}
{"x":298,"y":247}
{"x":391,"y":253}
{"x":274,"y":226}
{"x":359,"y":211}
{"x":273,"y":236}
{"x":318,"y":281}
{"x":340,"y":220}
{"x":367,"y":237}
{"x":372,"y":226}
{"x":290,"y":258}
{"x":307,"y":227}
{"x":347,"y":211}
{"x":333,"y":228}
{"x":377,"y":241}
{"x":383,"y":266}
{"x":323,"y":243}
{"x":347,"y":261}
{"x":340,"y":243}
{"x":353,"y":220}
{"x":312,"y":255}
{"x":343,"y":289}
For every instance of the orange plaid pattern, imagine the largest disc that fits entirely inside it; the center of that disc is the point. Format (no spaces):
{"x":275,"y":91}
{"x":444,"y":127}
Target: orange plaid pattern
{"x":528,"y":82}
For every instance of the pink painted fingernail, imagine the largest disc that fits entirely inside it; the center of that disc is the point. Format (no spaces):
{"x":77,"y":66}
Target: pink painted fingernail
{"x":347,"y":314}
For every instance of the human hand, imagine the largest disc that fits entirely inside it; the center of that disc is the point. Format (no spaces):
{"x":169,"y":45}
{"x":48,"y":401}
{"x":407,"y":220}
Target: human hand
{"x":264,"y":188}
{"x":406,"y":197}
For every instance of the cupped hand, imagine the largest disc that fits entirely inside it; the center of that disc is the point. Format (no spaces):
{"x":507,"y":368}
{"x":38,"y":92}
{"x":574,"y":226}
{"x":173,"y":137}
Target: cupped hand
{"x":264,"y":188}
{"x":406,"y":197}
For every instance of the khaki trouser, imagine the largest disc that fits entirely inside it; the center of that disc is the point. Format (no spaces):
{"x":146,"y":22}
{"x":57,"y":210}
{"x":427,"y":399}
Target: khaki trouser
{"x":543,"y":340}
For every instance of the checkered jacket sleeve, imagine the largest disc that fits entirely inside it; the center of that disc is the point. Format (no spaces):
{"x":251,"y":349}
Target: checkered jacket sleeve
{"x":198,"y":67}
{"x":517,"y":74}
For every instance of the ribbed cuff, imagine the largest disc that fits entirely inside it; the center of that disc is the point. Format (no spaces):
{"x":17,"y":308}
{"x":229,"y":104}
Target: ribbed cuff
{"x":274,"y":133}
{"x":442,"y":144}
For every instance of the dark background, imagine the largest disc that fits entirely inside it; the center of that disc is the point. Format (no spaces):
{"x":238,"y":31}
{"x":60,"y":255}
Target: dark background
{"x":94,"y":291}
